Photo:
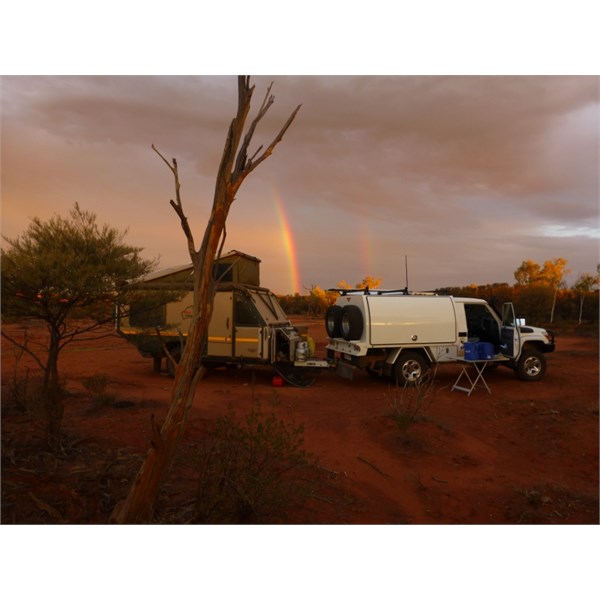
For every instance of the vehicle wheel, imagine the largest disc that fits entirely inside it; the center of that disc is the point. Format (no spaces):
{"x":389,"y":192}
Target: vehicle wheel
{"x":176,"y":354}
{"x":351,"y":323}
{"x":333,"y":318}
{"x":410,"y":369}
{"x":531,"y":365}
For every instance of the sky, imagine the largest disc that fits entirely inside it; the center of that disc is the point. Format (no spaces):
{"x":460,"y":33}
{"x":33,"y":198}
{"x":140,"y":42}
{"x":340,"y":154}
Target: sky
{"x":465,"y":175}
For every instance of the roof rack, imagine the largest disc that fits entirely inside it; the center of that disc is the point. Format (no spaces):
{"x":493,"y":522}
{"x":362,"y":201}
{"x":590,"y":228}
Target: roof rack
{"x":367,"y":292}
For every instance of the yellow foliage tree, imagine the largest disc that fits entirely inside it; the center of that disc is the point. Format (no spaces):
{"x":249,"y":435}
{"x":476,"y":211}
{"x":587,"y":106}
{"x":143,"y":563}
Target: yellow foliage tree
{"x":319,"y":300}
{"x":369,"y":282}
{"x":528,"y":273}
{"x":551,"y":274}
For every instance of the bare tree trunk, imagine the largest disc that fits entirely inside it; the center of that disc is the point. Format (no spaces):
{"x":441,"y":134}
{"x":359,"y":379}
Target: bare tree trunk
{"x":235,"y":166}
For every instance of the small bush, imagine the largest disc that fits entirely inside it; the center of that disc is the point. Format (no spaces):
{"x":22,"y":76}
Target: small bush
{"x":251,"y":471}
{"x":96,"y":386}
{"x":410,"y":402}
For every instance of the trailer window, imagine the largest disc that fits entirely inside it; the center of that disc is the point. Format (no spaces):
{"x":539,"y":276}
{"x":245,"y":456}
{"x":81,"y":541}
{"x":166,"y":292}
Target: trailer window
{"x":246,"y":313}
{"x":269,"y":301}
{"x":223,"y":272}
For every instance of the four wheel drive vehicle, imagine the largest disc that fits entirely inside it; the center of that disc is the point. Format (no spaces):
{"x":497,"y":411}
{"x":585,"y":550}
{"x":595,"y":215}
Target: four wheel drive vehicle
{"x":401,"y":335}
{"x":247,"y":327}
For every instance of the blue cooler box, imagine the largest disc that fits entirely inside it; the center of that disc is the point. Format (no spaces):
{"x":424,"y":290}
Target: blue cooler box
{"x":471,"y":351}
{"x":486,"y":351}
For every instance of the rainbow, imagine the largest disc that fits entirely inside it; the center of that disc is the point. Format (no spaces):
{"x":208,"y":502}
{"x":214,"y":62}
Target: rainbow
{"x":289,"y":243}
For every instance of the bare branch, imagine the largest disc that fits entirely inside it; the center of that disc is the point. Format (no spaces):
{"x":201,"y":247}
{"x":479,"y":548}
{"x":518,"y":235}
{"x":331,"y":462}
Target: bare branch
{"x":254,"y":155}
{"x":24,"y":348}
{"x":243,"y":166}
{"x":157,"y":440}
{"x":240,"y":163}
{"x":236,"y":129}
{"x":164,"y":159}
{"x":71,"y":337}
{"x":165,"y":348}
{"x":222,"y":241}
{"x":267,"y":100}
{"x":251,"y":166}
{"x":178,"y":206}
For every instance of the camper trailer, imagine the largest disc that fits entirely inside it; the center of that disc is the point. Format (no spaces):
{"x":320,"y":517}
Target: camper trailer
{"x":247,"y":327}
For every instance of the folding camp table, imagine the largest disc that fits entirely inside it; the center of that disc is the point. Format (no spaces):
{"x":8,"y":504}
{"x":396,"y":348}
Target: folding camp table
{"x":479,"y":367}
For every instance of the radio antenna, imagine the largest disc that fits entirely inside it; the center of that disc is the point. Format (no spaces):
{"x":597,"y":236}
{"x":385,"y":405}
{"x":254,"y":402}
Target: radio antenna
{"x":406,"y":273}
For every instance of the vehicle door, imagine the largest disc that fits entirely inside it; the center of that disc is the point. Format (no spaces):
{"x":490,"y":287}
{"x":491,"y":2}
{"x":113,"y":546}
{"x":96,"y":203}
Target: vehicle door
{"x":220,"y":329}
{"x":482,"y":324}
{"x":510,"y":336}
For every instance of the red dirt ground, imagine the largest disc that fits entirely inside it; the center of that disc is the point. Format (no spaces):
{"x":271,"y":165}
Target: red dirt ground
{"x":527,"y":453}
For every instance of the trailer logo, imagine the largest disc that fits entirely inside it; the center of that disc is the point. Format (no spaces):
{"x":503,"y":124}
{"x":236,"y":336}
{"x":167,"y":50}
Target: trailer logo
{"x":187,"y":312}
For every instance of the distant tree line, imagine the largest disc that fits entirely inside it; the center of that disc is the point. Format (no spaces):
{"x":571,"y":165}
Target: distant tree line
{"x":316,"y":301}
{"x":539,"y":294}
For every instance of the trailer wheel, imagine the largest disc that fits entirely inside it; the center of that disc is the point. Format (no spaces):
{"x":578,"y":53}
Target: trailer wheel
{"x":410,"y":369}
{"x":333,"y":318}
{"x":297,"y":376}
{"x":351,"y":323}
{"x":531,"y":365}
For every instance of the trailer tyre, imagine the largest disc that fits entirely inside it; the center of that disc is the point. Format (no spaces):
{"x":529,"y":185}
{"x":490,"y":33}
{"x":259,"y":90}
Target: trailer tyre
{"x":333,"y":321}
{"x":410,"y":369}
{"x":352,"y":323}
{"x":531,"y":365}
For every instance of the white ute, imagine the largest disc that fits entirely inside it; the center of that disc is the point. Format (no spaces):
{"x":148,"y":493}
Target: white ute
{"x":401,"y":335}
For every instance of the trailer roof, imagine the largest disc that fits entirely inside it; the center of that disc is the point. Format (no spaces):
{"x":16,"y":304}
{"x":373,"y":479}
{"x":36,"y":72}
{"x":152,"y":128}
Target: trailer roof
{"x":186,"y":270}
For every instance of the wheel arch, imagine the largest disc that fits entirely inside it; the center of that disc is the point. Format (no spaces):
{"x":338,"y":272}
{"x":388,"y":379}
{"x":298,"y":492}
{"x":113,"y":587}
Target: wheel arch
{"x":394,"y":354}
{"x":534,"y":345}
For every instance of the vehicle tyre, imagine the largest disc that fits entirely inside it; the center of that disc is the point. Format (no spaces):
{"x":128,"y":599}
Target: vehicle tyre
{"x":351,"y":323}
{"x":176,"y":354}
{"x":333,"y":321}
{"x":410,"y":369}
{"x":531,"y":365}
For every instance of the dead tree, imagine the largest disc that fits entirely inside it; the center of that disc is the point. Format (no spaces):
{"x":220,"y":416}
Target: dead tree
{"x":235,"y":166}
